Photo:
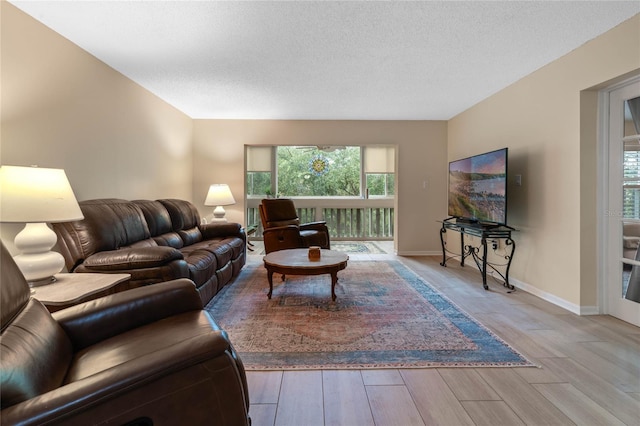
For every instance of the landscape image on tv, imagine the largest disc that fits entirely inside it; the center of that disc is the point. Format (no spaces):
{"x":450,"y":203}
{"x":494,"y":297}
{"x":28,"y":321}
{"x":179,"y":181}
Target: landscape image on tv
{"x":478,"y":187}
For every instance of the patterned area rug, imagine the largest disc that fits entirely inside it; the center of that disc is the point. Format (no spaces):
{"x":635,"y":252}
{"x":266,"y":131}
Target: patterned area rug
{"x":385,"y":316}
{"x":361,"y":247}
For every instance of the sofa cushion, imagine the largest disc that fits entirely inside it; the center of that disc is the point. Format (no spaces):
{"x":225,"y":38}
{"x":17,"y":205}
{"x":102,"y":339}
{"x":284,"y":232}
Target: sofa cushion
{"x":202,"y":264}
{"x":133,"y":258}
{"x":224,"y":275}
{"x":236,"y":245}
{"x":223,"y":252}
{"x":108,"y":224}
{"x":157,"y":217}
{"x":184,"y":215}
{"x":174,"y":331}
{"x":190,"y":236}
{"x":159,"y":222}
{"x":184,"y":219}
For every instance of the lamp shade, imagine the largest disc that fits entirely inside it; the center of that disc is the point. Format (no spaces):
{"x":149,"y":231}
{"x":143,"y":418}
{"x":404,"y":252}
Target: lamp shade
{"x":219,"y":195}
{"x":34,"y":194}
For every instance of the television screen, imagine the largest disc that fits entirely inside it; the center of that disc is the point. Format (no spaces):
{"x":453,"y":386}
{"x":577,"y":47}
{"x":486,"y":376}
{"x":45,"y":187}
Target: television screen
{"x":478,"y":188}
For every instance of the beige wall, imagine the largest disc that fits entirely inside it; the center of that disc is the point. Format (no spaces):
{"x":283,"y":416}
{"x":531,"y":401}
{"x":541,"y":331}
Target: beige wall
{"x":421,"y":150}
{"x":63,"y":108}
{"x":548,"y":121}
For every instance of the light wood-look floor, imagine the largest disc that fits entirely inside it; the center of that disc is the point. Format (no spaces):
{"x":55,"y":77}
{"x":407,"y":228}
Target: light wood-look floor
{"x":589,"y":371}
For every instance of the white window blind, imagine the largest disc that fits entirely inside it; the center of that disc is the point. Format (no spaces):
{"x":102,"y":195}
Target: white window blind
{"x":379,"y":159}
{"x":259,"y":158}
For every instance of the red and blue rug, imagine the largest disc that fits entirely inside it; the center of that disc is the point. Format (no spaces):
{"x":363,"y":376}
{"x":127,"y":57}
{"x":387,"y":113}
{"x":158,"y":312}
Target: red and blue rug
{"x":359,"y":247}
{"x":385,"y":316}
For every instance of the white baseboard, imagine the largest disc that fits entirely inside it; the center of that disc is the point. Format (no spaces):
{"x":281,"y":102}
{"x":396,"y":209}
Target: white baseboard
{"x":558,"y":301}
{"x":551,"y":298}
{"x":419,"y":253}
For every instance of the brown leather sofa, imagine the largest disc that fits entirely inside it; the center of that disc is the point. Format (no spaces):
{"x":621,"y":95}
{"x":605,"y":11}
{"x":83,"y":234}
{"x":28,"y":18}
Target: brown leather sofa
{"x":282,"y":228}
{"x":154,"y":241}
{"x":147,"y":356}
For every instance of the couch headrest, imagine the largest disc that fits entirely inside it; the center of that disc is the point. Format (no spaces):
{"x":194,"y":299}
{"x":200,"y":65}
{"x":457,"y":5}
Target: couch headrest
{"x":35,"y":350}
{"x":108,"y":224}
{"x":14,"y":289}
{"x":156,"y":215}
{"x":184,"y":215}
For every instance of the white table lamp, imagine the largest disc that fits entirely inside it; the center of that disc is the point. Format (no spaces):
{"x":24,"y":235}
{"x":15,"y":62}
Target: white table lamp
{"x":219,"y":195}
{"x":37,"y":196}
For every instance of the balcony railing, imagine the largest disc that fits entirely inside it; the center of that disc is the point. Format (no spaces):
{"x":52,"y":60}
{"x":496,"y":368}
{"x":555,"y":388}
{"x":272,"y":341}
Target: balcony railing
{"x":347,"y":219}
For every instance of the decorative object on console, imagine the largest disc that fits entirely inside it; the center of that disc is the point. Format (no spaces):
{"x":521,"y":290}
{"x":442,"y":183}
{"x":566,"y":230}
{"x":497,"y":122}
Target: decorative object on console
{"x":219,"y":195}
{"x":35,"y":196}
{"x":314,"y":253}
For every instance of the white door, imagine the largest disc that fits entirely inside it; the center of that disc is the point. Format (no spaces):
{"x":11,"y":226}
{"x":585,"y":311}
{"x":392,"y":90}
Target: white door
{"x":622,"y":286}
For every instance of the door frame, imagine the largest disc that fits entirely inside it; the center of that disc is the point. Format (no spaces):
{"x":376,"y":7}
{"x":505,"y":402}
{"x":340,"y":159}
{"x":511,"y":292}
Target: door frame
{"x":603,"y":231}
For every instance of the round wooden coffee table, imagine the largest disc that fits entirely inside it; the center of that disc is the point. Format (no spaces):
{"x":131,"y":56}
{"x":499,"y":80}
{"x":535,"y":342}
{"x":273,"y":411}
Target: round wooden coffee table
{"x":296,"y":262}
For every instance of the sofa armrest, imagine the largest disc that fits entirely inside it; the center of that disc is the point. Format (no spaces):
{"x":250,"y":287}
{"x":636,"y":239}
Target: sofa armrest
{"x":98,"y":391}
{"x":97,"y":320}
{"x":131,"y":258}
{"x":318,"y":226}
{"x":226,"y":229}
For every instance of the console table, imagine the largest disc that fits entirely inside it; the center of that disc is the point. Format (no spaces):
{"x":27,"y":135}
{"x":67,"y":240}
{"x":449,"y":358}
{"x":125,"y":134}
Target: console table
{"x":486,"y":233}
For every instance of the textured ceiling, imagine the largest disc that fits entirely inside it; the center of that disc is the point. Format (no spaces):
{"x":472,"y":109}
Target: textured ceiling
{"x":328,"y":60}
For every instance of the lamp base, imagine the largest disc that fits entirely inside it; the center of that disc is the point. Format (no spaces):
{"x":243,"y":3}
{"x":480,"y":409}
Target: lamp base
{"x":46,"y":281}
{"x":37,"y":262}
{"x":218,"y":215}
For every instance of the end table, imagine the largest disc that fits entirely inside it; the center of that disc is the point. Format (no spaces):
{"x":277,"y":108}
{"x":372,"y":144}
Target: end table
{"x":73,"y":288}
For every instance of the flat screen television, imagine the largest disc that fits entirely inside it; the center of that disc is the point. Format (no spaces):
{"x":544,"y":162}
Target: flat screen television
{"x":478,"y":188}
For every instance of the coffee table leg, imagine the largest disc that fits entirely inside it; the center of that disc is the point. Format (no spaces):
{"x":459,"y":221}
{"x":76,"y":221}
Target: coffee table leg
{"x":334,"y":280}
{"x":270,"y":278}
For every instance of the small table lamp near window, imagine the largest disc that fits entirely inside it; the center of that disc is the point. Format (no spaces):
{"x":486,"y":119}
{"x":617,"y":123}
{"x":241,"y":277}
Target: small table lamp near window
{"x":219,"y":195}
{"x":37,"y":196}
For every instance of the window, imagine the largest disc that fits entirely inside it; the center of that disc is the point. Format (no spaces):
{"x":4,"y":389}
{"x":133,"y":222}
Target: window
{"x":631,"y":160}
{"x":631,"y":186}
{"x":318,"y":171}
{"x":259,"y":166}
{"x":380,"y":184}
{"x":321,"y":171}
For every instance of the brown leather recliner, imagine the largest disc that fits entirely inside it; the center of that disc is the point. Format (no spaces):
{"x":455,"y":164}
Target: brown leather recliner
{"x":282,"y":228}
{"x":147,"y":356}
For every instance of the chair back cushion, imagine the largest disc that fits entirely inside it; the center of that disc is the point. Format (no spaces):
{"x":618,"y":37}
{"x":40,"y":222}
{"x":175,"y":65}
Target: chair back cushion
{"x":278,"y":212}
{"x":36,"y":352}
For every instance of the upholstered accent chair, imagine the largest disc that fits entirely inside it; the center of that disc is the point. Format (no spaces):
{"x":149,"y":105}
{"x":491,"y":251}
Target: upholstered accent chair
{"x":282,"y":228}
{"x":146,"y":356}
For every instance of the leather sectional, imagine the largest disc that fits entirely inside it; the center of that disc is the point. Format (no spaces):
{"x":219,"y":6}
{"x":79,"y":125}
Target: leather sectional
{"x":154,"y":241}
